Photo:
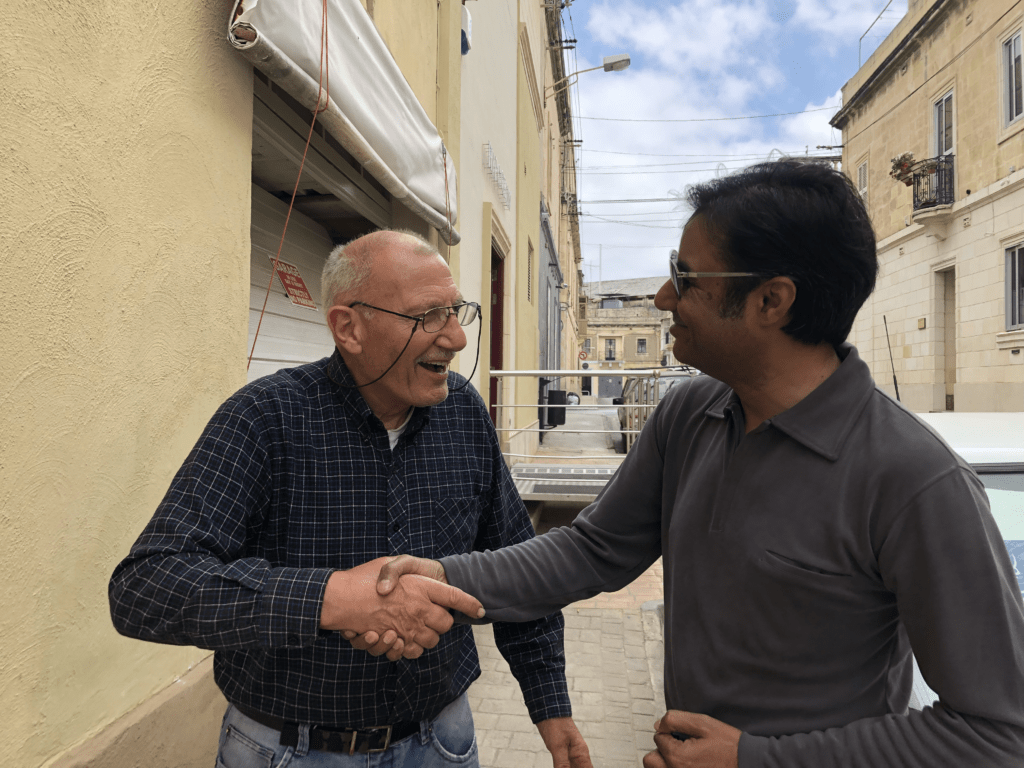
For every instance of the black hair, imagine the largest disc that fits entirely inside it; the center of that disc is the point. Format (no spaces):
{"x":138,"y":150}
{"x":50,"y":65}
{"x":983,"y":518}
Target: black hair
{"x":799,"y":219}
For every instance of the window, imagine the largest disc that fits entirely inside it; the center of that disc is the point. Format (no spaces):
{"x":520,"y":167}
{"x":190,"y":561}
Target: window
{"x":862,"y":180}
{"x":641,"y":346}
{"x":1015,"y":288}
{"x":668,"y":336}
{"x":1014,"y":96}
{"x":609,"y":349}
{"x":586,"y":346}
{"x":944,"y":125}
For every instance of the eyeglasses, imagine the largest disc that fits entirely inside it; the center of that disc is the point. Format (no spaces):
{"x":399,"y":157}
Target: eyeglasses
{"x":681,"y":280}
{"x":435,"y":319}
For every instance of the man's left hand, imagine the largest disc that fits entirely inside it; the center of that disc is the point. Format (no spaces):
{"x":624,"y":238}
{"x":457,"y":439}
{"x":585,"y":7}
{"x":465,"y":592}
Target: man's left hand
{"x":565,"y":743}
{"x":711,"y":743}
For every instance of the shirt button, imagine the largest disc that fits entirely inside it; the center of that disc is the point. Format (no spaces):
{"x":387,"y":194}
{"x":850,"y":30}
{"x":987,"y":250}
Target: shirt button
{"x":394,"y":528}
{"x":293,"y":639}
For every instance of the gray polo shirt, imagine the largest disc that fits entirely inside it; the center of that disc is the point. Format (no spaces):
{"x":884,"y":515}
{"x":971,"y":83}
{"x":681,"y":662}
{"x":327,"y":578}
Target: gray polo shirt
{"x":802,"y":563}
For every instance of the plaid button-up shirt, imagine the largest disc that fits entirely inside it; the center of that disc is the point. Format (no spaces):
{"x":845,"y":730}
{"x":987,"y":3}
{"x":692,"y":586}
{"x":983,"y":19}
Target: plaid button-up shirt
{"x":292,"y":479}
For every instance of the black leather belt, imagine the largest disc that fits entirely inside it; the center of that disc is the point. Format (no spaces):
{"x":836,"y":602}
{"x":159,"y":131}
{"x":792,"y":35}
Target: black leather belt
{"x":336,"y":739}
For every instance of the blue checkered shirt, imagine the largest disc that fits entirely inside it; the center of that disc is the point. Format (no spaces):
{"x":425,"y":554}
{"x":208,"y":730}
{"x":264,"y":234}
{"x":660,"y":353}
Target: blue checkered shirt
{"x":292,"y":479}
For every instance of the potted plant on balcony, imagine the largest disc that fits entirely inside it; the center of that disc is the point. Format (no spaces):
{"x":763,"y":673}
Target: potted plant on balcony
{"x":903,"y":168}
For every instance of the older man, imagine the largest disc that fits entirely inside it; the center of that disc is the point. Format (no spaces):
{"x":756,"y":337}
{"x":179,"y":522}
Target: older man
{"x":268,"y":542}
{"x":813,"y":531}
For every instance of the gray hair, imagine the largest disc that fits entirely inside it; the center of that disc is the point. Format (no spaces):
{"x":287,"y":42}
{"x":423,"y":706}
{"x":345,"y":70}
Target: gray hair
{"x":348,"y":266}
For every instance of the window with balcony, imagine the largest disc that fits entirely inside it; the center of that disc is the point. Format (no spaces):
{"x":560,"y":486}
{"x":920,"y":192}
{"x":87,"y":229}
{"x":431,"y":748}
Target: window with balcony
{"x":944,"y":125}
{"x":641,"y":346}
{"x":1012,"y":64}
{"x":1015,"y":288}
{"x":609,"y":349}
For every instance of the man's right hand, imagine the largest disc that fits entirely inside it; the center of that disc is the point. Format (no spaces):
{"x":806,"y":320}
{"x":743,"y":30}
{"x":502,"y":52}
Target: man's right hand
{"x":413,"y":608}
{"x":404,"y":565}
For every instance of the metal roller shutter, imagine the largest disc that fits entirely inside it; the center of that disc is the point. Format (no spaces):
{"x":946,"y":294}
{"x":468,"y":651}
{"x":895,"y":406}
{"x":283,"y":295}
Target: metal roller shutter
{"x":290,"y":335}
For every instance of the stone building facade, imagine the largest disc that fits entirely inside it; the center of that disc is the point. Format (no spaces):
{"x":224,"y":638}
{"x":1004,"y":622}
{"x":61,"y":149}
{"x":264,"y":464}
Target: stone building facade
{"x":623,"y":329}
{"x":946,"y":87}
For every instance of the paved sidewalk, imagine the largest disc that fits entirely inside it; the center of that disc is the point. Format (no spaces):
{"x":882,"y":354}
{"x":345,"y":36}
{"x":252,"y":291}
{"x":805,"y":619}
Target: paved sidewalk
{"x":612,"y":649}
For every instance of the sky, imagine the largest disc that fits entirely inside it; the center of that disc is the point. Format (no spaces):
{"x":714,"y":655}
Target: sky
{"x":696,"y":61}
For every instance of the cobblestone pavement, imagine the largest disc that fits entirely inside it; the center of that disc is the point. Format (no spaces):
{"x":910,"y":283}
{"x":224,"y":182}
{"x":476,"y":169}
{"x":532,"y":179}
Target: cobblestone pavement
{"x":612,"y":649}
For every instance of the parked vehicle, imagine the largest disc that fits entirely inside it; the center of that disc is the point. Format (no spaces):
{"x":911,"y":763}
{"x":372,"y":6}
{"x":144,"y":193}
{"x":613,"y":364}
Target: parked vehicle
{"x":993,"y":444}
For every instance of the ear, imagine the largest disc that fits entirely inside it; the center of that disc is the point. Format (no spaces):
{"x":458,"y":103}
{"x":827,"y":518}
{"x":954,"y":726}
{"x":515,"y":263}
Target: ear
{"x":774,"y":300}
{"x":346,"y":326}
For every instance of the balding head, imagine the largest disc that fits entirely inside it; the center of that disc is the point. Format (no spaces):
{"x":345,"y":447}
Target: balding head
{"x":350,"y":266}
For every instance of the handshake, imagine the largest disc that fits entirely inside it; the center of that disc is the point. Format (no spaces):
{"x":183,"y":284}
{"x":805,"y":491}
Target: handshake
{"x":396,"y":606}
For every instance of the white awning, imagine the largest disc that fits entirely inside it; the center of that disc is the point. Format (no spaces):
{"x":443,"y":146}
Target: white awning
{"x":372,"y":110}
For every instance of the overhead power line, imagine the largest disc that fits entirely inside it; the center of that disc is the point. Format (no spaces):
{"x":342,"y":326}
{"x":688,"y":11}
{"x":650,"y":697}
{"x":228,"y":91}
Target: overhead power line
{"x":647,"y":247}
{"x":708,"y":119}
{"x":638,"y":200}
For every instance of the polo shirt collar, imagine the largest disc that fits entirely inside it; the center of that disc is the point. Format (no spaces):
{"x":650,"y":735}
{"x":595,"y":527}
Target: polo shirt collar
{"x":823,"y":420}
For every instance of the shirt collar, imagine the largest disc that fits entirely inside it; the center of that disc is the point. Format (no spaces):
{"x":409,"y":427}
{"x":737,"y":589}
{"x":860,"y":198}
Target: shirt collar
{"x":823,"y":420}
{"x":351,"y":398}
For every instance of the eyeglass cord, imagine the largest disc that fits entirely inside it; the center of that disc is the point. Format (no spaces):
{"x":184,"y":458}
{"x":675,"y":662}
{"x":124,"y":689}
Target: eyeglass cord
{"x":479,"y":333}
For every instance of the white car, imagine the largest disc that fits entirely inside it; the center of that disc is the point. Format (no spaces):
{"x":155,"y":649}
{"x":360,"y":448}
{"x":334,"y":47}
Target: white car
{"x":993,"y":444}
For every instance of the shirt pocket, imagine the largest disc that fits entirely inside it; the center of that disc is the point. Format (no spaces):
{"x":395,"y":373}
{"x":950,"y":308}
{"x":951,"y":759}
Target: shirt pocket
{"x":456,"y":521}
{"x":813,"y":610}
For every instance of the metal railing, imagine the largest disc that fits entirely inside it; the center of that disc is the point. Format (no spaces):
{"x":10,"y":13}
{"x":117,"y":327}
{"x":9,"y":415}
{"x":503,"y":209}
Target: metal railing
{"x":641,"y":394}
{"x":558,"y":472}
{"x":642,"y":391}
{"x":933,"y":182}
{"x":553,"y":376}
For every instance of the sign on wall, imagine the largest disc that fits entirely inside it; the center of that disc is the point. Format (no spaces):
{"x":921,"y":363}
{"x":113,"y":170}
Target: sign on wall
{"x":294,"y":286}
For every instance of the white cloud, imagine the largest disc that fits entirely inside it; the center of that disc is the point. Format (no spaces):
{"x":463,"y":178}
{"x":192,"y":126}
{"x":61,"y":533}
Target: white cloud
{"x":849,"y":19}
{"x":699,"y":36}
{"x":695,"y":60}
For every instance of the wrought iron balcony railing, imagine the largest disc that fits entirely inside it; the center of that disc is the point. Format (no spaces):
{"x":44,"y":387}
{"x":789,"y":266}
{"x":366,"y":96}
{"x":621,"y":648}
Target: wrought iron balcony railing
{"x":933,"y":182}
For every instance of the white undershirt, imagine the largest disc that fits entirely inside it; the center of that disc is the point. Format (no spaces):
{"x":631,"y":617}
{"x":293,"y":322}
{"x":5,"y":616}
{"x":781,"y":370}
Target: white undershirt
{"x":394,"y":434}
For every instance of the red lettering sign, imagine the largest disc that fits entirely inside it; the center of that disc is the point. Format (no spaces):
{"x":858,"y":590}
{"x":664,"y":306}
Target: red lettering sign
{"x":294,"y":286}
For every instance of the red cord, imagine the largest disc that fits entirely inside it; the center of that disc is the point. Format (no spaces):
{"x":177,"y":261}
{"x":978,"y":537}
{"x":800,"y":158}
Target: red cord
{"x":325,"y":89}
{"x":447,"y":207}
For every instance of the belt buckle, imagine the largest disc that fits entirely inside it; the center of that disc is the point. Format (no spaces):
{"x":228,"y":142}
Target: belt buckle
{"x":355,"y":738}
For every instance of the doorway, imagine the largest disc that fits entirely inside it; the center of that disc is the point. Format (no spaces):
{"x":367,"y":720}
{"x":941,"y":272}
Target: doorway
{"x":947,"y":283}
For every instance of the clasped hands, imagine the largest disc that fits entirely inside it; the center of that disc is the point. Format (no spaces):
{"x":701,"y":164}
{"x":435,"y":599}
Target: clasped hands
{"x":407,"y":594}
{"x":401,"y":614}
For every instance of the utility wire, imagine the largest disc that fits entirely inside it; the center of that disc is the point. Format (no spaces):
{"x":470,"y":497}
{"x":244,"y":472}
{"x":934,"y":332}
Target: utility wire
{"x":635,"y":200}
{"x":738,"y":163}
{"x":751,"y":155}
{"x":707,"y":119}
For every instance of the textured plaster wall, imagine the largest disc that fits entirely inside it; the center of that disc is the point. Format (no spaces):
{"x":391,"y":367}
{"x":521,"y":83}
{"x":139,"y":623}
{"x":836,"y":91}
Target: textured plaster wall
{"x":411,"y":29}
{"x":124,"y":186}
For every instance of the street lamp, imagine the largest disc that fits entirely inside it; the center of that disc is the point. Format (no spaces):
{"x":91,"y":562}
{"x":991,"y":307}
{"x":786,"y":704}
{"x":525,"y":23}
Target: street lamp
{"x":615,"y":63}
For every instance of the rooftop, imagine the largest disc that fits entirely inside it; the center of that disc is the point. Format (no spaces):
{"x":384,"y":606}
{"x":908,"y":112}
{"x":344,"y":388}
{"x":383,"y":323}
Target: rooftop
{"x":635,"y":286}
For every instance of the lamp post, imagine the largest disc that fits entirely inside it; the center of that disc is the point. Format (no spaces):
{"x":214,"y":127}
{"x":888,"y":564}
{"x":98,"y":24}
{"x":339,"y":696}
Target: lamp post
{"x":615,"y":63}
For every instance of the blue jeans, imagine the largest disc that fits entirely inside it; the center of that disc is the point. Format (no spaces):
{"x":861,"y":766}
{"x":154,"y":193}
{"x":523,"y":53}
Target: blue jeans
{"x":446,"y":740}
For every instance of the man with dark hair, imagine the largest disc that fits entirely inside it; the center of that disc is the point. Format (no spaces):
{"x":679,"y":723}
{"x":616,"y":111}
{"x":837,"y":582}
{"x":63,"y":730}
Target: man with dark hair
{"x":267,"y":546}
{"x":813,"y":531}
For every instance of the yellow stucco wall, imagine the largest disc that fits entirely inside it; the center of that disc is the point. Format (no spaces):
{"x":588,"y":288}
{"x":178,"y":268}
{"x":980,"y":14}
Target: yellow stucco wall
{"x":525,"y":347}
{"x":410,"y":28}
{"x":125,"y":167}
